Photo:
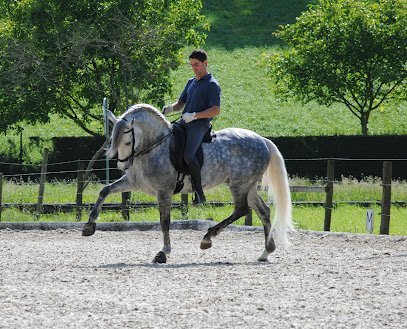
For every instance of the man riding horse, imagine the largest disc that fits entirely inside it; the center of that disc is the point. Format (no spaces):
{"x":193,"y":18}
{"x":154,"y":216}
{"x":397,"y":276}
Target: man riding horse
{"x":200,"y":101}
{"x":143,"y":141}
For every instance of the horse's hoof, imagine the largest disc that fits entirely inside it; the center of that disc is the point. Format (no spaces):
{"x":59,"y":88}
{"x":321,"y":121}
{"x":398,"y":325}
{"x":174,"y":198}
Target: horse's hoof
{"x":263,"y":257}
{"x":160,"y":258}
{"x":89,"y":229}
{"x":206,"y":244}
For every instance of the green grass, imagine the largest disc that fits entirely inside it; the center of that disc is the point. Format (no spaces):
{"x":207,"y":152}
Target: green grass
{"x":240,"y":24}
{"x":345,"y":218}
{"x":368,"y":189}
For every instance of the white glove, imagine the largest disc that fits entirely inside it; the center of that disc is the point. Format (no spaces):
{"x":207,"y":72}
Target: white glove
{"x":167,"y":109}
{"x":188,"y":117}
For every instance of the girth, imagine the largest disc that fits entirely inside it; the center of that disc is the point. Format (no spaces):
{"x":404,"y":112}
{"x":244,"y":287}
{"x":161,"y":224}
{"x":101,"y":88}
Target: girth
{"x":177,"y":146}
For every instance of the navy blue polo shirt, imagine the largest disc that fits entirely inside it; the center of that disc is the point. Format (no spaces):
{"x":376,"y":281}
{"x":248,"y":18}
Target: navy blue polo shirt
{"x":199,"y":95}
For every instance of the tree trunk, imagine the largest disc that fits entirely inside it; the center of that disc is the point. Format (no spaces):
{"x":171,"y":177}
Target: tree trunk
{"x":364,"y":120}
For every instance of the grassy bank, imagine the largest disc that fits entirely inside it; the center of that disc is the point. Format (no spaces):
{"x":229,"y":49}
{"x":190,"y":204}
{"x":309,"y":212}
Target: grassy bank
{"x":241,"y":32}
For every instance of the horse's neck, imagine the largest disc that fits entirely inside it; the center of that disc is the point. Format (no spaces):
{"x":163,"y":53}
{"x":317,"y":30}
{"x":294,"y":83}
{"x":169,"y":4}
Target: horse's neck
{"x":153,"y":129}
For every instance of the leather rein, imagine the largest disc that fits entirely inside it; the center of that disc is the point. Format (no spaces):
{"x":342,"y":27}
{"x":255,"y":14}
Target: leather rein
{"x":147,"y":149}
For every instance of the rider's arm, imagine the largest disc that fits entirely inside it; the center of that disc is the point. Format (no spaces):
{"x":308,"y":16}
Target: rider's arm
{"x":178,"y":105}
{"x":211,"y":112}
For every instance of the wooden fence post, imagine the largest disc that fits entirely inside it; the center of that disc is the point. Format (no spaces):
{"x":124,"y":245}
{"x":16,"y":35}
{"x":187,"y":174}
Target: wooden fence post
{"x":1,"y":193}
{"x":329,"y":189}
{"x":386,"y":198}
{"x":184,"y":206}
{"x":42,"y":182}
{"x":125,"y":205}
{"x":79,"y":191}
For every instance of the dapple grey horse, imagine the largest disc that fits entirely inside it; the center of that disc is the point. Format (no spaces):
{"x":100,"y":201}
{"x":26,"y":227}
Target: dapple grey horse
{"x":240,"y":158}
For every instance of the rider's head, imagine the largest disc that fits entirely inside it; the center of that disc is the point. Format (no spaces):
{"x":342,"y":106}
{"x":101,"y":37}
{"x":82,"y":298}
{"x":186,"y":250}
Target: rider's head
{"x":199,"y":54}
{"x":199,"y":62}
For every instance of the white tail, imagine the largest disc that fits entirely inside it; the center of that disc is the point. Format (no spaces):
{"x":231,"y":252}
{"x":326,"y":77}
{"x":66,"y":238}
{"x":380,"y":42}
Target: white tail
{"x":276,"y":180}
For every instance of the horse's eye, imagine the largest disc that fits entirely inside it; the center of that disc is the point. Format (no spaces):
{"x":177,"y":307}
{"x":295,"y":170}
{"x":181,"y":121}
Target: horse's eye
{"x":128,"y":144}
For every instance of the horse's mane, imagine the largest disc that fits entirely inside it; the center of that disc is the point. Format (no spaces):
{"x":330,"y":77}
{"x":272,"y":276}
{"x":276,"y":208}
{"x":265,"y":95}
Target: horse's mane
{"x":158,"y":122}
{"x":146,"y":109}
{"x":114,"y":138}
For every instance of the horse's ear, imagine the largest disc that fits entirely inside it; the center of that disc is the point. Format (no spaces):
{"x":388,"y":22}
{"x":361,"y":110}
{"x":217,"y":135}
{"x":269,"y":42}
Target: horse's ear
{"x":111,"y":117}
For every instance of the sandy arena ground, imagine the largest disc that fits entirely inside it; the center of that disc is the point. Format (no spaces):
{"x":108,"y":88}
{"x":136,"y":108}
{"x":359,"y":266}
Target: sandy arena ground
{"x":59,"y":279}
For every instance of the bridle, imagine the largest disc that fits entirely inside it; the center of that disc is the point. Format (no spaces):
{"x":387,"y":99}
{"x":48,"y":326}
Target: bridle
{"x":133,"y":141}
{"x":147,"y":149}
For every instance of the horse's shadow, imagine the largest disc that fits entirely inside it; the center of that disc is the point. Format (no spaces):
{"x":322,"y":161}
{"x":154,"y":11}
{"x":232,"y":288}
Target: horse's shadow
{"x":118,"y":266}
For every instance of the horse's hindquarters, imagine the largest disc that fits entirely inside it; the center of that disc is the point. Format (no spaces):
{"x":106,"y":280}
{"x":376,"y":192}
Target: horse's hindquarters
{"x":236,"y":156}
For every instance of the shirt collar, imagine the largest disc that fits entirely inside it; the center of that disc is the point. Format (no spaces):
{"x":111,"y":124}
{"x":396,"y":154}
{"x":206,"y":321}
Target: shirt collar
{"x":205,"y":77}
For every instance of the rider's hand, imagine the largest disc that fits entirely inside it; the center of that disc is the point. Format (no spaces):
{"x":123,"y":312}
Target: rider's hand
{"x":188,"y":117}
{"x":167,"y":109}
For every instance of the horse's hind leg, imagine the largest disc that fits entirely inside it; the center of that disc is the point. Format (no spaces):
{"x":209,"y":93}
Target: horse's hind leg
{"x":241,"y":209}
{"x":121,"y":185}
{"x":263,"y":211}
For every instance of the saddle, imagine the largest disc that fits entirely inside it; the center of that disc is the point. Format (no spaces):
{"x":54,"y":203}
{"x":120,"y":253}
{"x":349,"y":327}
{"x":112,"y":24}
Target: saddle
{"x":177,"y":146}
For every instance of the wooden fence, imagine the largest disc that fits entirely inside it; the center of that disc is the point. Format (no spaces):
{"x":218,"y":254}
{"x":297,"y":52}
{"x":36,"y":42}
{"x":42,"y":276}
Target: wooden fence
{"x":125,"y":205}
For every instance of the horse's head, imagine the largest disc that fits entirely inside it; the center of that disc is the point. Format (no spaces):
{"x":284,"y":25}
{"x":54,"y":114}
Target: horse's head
{"x":125,"y":139}
{"x":136,"y":132}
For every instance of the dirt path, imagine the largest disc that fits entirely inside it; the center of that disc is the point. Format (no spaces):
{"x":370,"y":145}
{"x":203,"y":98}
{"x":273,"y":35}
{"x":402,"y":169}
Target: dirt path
{"x":59,"y":279}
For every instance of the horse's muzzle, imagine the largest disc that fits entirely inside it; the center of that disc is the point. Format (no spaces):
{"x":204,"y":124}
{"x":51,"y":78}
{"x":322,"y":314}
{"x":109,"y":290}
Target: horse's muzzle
{"x":124,"y":165}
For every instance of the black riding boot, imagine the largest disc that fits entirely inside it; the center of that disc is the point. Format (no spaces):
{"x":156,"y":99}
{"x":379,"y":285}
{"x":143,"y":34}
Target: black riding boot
{"x":195,"y":170}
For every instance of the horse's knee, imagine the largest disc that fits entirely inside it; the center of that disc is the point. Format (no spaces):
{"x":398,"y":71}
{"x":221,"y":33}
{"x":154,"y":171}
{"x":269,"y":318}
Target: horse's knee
{"x":104,"y":192}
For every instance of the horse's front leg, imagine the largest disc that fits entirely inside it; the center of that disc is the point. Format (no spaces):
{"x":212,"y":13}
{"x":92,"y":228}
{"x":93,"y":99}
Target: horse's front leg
{"x":164,"y":205}
{"x":121,"y":185}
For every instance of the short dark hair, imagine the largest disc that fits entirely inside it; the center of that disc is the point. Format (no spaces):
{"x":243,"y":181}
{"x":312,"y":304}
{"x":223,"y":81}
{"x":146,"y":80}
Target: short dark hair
{"x":199,"y":54}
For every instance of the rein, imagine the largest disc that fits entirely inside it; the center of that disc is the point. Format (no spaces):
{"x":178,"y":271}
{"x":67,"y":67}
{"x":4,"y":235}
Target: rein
{"x":148,"y":148}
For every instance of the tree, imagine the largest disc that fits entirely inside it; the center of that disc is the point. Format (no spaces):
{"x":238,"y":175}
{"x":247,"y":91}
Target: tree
{"x":347,"y":51}
{"x":64,"y":56}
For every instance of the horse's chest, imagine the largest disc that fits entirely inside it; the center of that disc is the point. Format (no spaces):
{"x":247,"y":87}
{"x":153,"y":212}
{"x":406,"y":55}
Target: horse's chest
{"x":152,"y":177}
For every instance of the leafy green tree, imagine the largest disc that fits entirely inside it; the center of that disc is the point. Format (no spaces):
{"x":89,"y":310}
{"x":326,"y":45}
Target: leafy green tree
{"x":64,"y":56}
{"x":344,"y":51}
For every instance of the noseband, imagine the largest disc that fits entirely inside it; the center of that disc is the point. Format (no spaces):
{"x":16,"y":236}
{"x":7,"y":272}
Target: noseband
{"x":131,"y":156}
